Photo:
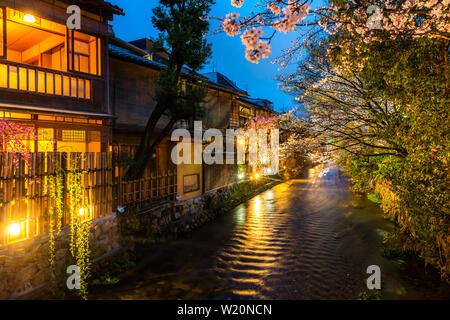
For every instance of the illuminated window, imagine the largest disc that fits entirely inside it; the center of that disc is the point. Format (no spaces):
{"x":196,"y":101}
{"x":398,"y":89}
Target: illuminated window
{"x":73,"y":135}
{"x":15,"y":115}
{"x":79,"y":120}
{"x":46,"y":118}
{"x":45,"y":134}
{"x":20,"y":115}
{"x":2,"y":33}
{"x":85,"y":53}
{"x":45,"y":139}
{"x":94,"y":144}
{"x":40,"y":42}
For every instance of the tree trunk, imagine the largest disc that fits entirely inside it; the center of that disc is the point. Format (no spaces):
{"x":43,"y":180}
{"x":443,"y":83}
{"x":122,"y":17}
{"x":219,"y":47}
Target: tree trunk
{"x":140,"y":159}
{"x":146,"y":150}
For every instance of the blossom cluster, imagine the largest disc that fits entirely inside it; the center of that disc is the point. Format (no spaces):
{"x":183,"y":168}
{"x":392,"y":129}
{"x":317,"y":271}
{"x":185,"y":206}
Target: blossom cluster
{"x":273,"y":8}
{"x":12,"y":140}
{"x":260,"y":122}
{"x":292,"y":13}
{"x":391,"y":19}
{"x":255,"y":48}
{"x":230,"y":25}
{"x":396,"y":19}
{"x":237,"y":3}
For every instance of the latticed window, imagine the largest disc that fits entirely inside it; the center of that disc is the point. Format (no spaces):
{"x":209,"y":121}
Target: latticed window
{"x":73,"y":135}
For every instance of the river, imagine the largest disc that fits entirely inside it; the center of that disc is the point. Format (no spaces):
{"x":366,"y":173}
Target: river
{"x":308,"y":238}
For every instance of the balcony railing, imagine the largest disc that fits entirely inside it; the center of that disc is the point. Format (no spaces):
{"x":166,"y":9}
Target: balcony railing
{"x":22,"y":77}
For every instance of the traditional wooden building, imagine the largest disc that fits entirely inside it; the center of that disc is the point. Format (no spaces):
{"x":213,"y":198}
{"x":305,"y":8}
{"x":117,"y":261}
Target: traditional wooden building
{"x":53,"y":79}
{"x":133,"y":69}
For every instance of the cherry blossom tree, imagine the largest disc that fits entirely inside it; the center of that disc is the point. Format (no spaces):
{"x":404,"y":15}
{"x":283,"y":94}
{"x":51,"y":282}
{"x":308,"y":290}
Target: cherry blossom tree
{"x":364,"y":21}
{"x":13,"y":137}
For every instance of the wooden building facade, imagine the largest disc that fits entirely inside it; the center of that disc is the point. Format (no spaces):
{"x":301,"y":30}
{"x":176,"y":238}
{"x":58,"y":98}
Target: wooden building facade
{"x":54,"y":79}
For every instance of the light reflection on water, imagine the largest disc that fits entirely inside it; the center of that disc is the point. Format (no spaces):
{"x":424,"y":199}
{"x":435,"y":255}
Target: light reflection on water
{"x":308,"y":238}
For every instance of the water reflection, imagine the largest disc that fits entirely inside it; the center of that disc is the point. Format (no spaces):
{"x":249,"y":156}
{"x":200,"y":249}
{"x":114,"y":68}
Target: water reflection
{"x":309,"y":238}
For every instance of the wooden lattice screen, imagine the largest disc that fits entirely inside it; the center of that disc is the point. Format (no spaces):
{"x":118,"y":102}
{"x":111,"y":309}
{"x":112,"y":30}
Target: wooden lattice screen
{"x":24,"y":190}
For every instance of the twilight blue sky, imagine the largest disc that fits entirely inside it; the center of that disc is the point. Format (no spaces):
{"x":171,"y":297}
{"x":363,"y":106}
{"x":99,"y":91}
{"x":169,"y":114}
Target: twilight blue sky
{"x":228,"y":52}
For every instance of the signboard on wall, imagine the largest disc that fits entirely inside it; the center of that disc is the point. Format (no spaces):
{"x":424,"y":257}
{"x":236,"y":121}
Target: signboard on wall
{"x":191,"y":183}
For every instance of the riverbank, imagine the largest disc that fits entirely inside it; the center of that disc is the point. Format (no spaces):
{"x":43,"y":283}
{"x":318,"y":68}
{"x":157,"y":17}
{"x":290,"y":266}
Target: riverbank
{"x":307,"y":238}
{"x":142,"y":234}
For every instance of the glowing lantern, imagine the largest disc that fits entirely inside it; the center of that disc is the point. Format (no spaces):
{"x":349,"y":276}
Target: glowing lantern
{"x":82,"y":212}
{"x":14,"y":229}
{"x":29,"y":18}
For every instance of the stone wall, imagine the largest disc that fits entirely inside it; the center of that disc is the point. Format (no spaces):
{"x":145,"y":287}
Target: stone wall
{"x":160,"y":223}
{"x":24,"y":265}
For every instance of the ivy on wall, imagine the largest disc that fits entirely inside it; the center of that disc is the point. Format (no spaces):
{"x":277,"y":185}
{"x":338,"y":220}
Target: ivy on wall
{"x":70,"y":182}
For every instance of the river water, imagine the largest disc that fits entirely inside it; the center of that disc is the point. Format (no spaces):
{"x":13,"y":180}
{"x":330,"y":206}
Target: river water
{"x":308,"y":238}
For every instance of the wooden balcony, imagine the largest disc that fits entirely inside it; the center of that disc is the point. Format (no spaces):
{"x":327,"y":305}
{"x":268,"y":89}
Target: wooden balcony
{"x":26,"y":78}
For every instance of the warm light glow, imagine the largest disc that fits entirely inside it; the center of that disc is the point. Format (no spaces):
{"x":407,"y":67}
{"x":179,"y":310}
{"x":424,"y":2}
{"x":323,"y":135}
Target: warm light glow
{"x":29,"y":18}
{"x":82,"y":211}
{"x":257,"y":205}
{"x":269,"y":171}
{"x":14,"y":229}
{"x":241,"y":141}
{"x":257,"y":176}
{"x":241,"y":176}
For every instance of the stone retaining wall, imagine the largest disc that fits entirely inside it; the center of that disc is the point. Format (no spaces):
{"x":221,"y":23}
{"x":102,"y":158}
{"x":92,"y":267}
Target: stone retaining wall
{"x":24,"y":265}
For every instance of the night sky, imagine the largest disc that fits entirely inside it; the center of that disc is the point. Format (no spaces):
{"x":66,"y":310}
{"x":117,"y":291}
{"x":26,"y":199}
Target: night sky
{"x":228,"y":52}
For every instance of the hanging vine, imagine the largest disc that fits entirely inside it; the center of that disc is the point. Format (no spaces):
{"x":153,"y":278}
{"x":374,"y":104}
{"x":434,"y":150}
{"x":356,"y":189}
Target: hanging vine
{"x":55,"y":193}
{"x":79,"y":216}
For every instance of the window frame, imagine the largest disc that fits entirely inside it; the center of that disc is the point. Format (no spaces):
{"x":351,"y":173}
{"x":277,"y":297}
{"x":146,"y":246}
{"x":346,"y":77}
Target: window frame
{"x":70,"y":39}
{"x":3,"y":11}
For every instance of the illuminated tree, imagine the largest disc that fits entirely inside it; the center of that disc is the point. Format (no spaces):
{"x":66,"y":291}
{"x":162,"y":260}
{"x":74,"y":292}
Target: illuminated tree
{"x":13,"y":137}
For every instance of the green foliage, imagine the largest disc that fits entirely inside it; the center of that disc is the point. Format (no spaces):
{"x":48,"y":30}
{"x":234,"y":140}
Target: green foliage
{"x":370,"y":295}
{"x":106,"y":280}
{"x":374,"y":197}
{"x":70,"y":181}
{"x":55,"y":194}
{"x":410,"y":75}
{"x":182,"y":25}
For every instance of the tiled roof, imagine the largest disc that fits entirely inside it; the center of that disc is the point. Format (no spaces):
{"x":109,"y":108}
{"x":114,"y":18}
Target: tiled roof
{"x":222,"y":80}
{"x":262,"y":103}
{"x":129,"y":52}
{"x":126,"y":54}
